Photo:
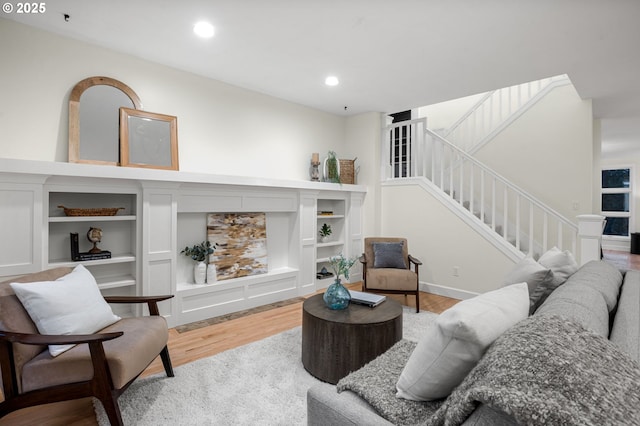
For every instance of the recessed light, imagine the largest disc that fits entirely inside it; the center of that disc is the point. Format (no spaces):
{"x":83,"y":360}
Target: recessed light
{"x":203,"y":29}
{"x":332,"y":80}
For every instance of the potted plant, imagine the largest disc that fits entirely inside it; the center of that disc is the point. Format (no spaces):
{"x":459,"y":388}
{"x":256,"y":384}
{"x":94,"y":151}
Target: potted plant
{"x":200,"y":253}
{"x":325,"y":231}
{"x":337,"y":296}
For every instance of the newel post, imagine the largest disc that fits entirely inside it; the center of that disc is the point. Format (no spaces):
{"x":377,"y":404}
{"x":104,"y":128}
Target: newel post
{"x":590,"y":227}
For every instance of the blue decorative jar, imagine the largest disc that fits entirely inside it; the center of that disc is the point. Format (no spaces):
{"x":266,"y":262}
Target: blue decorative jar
{"x":337,"y":296}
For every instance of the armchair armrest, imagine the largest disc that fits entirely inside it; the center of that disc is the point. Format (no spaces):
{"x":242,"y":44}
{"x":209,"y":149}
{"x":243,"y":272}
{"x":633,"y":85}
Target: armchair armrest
{"x":137,"y":299}
{"x":48,"y":339}
{"x":151,"y":301}
{"x":7,"y":360}
{"x":363,"y":259}
{"x":414,"y":260}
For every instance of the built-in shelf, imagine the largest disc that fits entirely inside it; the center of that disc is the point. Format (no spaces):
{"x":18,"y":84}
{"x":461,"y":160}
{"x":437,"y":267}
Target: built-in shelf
{"x":119,"y":232}
{"x":116,"y":282}
{"x":336,"y":245}
{"x":114,"y":259}
{"x":63,"y":219}
{"x":219,"y":285}
{"x":330,"y":244}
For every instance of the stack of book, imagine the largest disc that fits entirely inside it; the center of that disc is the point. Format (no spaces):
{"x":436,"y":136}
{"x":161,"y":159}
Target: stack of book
{"x":76,"y":256}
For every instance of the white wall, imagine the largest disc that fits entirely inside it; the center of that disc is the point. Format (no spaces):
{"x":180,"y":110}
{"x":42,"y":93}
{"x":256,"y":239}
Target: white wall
{"x":222,"y":129}
{"x":363,"y":135}
{"x":442,"y":241}
{"x":444,"y":114}
{"x":548,"y":152}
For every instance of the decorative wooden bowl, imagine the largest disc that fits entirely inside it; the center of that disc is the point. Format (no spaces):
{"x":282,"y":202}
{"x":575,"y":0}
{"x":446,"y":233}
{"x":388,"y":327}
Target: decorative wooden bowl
{"x":104,"y":211}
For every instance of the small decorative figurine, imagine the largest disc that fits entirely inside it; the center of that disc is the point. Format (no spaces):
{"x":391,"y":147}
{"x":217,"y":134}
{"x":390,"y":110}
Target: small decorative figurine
{"x":95,"y":236}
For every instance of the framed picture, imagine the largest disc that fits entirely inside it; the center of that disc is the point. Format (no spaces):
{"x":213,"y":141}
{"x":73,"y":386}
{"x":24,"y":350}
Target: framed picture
{"x":148,"y":139}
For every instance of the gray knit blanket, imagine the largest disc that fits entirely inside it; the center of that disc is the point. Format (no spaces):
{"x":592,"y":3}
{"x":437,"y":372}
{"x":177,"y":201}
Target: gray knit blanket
{"x":543,"y":371}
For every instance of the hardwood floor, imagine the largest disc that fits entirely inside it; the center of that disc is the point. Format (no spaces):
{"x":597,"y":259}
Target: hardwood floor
{"x":622,"y":259}
{"x":200,"y":343}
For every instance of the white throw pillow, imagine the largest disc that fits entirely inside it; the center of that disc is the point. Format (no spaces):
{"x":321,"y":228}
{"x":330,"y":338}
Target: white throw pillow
{"x":562,"y":263}
{"x":72,"y":304}
{"x":454,"y":345}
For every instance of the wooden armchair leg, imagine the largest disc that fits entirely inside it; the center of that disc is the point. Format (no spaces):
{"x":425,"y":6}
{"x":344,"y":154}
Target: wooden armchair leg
{"x":418,"y":302}
{"x":166,"y":361}
{"x":113,"y":410}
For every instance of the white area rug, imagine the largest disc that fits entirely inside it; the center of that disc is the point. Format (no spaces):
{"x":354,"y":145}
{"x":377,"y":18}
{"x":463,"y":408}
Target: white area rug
{"x":260,"y":383}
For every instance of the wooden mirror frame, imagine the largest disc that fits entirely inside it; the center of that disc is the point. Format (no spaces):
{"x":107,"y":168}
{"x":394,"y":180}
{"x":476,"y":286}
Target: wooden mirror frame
{"x":74,"y":114}
{"x":127,"y":143}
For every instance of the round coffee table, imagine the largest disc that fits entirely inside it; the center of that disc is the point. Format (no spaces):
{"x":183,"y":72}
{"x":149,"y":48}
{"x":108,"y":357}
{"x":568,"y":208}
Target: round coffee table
{"x":335,"y":343}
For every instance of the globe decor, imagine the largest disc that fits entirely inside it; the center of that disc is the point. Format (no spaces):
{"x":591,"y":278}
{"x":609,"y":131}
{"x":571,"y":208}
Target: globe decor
{"x":337,"y":296}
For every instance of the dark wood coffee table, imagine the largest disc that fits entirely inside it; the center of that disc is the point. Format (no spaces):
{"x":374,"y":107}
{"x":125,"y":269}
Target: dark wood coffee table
{"x":335,"y":343}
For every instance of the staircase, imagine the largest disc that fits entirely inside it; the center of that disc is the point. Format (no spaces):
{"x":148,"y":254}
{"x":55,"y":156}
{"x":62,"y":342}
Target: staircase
{"x":514,"y":221}
{"x":496,"y":110}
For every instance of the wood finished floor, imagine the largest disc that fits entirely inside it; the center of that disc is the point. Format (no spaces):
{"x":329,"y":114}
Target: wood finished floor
{"x":622,"y":260}
{"x":195,"y":344}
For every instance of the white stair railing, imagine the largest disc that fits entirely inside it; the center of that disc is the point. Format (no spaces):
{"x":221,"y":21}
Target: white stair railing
{"x":514,"y":215}
{"x":495,"y":110}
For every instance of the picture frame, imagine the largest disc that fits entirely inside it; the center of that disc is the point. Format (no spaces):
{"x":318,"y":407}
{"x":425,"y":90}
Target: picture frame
{"x":148,"y":139}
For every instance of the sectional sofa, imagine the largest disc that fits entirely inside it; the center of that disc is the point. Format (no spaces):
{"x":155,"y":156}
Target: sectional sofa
{"x":574,"y":360}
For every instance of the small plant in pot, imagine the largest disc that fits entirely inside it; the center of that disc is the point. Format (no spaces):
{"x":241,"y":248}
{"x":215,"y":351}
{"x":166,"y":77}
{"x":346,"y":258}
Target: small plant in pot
{"x":325,"y":231}
{"x":337,"y":296}
{"x":200,"y":253}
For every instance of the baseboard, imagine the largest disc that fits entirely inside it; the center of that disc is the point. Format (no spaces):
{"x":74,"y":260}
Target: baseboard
{"x":442,"y":290}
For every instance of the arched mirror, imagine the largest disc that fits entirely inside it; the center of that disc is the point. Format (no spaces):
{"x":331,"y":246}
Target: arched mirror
{"x":94,"y":114}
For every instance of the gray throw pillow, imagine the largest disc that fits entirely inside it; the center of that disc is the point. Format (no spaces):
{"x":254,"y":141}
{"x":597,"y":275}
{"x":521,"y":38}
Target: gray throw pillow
{"x":388,"y":255}
{"x":540,"y":280}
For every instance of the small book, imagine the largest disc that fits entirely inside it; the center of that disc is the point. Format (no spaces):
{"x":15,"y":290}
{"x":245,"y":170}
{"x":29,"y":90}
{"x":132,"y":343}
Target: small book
{"x":368,"y":299}
{"x":74,"y":245}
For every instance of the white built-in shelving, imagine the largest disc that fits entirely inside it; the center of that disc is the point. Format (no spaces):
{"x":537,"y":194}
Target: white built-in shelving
{"x":164,"y":211}
{"x":331,"y":211}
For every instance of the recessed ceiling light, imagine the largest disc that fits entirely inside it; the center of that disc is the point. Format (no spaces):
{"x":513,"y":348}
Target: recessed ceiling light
{"x":332,"y":80}
{"x":203,"y":29}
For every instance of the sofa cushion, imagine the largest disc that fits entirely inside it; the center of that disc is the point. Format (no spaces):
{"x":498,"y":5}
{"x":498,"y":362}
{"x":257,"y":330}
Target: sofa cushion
{"x":391,"y":279}
{"x":540,"y":280}
{"x":581,"y":304}
{"x":562,"y":263}
{"x":127,"y":355}
{"x":72,"y":304}
{"x":448,"y":351}
{"x":389,"y":255}
{"x":602,"y":277}
{"x":625,"y":332}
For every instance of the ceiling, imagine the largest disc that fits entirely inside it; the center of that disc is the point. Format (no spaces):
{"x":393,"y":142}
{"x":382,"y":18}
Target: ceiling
{"x":389,"y":55}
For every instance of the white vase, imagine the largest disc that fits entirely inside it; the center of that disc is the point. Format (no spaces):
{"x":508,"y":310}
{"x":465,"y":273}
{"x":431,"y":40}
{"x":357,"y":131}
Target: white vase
{"x":200,"y":272}
{"x":212,"y":275}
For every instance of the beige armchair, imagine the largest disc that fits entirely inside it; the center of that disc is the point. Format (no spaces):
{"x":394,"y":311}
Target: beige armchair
{"x":390,"y":271}
{"x":102,"y":365}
